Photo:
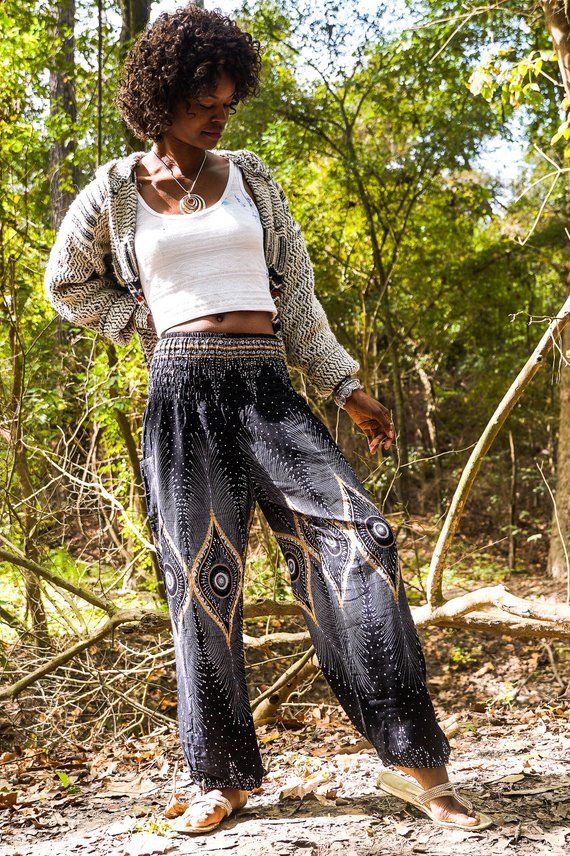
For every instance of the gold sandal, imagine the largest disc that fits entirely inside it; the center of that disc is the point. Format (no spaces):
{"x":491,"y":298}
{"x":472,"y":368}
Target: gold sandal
{"x":411,"y":792}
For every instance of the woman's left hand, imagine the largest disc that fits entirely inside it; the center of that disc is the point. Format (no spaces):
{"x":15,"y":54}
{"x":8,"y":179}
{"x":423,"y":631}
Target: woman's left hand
{"x":372,"y":418}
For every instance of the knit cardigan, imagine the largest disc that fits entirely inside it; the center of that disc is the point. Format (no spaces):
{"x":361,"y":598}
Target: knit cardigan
{"x":92,"y":278}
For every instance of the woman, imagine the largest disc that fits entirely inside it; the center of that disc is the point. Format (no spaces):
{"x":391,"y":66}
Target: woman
{"x":205,"y":242}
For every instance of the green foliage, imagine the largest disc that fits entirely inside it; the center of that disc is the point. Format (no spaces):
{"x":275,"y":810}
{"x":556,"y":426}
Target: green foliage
{"x":464,"y":657}
{"x":374,"y":130}
{"x":68,"y":785}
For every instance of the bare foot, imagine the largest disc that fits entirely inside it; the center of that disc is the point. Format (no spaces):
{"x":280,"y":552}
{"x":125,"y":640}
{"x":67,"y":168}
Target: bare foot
{"x":446,"y":808}
{"x":200,"y":815}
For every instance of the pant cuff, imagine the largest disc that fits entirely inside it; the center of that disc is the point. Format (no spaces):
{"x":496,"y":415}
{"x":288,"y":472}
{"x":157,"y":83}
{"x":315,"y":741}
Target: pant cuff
{"x":210,"y":783}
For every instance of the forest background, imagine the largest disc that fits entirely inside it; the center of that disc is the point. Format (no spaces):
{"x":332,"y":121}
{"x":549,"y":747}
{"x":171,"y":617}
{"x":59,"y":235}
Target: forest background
{"x":423,"y":149}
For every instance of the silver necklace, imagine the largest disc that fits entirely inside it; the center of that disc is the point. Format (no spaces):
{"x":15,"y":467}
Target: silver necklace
{"x":190,"y":202}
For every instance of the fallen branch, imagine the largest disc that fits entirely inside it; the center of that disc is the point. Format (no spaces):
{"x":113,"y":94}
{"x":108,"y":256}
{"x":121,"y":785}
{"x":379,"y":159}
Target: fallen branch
{"x":508,"y":615}
{"x":556,"y":613}
{"x":270,"y":607}
{"x":515,"y":392}
{"x":498,"y":623}
{"x":266,"y":705}
{"x":275,"y":639}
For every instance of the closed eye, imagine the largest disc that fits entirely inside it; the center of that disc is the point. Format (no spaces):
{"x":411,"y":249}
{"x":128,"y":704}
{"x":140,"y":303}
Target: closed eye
{"x":231,"y":106}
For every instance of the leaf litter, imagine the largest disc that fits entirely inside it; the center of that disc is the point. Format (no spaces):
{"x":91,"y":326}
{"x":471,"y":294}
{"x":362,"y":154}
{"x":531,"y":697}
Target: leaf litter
{"x":510,"y":723}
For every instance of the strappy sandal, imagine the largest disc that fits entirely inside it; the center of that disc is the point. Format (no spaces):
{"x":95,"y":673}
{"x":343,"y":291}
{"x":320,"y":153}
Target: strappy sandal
{"x":213,"y":799}
{"x":411,"y":792}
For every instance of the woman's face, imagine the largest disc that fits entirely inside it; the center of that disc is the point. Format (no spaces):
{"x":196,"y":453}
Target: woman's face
{"x":200,"y":121}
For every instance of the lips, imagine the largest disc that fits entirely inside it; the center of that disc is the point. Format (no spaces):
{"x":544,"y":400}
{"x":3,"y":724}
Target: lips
{"x":214,"y":134}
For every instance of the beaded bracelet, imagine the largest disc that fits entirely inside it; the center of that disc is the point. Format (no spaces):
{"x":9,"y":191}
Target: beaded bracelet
{"x":344,"y":390}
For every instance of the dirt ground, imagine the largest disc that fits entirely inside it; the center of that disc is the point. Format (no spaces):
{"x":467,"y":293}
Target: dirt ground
{"x":511,"y":754}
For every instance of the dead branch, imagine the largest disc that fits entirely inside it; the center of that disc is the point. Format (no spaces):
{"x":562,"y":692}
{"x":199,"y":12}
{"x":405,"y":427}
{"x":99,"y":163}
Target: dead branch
{"x":275,"y":639}
{"x":59,"y":660}
{"x":497,"y":622}
{"x":492,"y":609}
{"x":13,"y":621}
{"x":270,"y":607}
{"x":555,"y":614}
{"x":18,"y":558}
{"x":285,"y":677}
{"x":515,"y":392}
{"x":266,"y":705}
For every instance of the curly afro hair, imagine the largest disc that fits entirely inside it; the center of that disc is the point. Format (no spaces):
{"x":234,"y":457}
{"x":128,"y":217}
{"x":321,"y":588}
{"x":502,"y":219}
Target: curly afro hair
{"x":179,"y":57}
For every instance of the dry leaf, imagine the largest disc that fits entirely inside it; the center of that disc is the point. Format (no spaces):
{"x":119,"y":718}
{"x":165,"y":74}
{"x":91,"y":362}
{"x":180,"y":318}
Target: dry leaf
{"x":175,"y":808}
{"x":7,"y":800}
{"x":402,"y":829}
{"x":134,"y":788}
{"x":267,"y":738}
{"x":540,"y":789}
{"x":145,"y":844}
{"x":119,"y":827}
{"x":301,"y":787}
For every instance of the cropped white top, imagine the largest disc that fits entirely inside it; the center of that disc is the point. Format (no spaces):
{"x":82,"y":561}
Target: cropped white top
{"x":204,"y":263}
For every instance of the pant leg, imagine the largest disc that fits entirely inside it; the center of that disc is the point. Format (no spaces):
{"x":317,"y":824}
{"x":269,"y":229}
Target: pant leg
{"x":345,"y":574}
{"x":200,"y":506}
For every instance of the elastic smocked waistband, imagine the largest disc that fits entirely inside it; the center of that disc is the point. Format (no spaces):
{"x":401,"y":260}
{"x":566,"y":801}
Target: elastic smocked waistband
{"x":190,"y":343}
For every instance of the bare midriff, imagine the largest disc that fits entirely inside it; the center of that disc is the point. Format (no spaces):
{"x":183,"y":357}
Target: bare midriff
{"x":228,"y":322}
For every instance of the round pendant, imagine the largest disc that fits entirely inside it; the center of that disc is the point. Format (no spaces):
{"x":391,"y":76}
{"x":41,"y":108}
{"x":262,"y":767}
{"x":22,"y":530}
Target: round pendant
{"x":191,"y":203}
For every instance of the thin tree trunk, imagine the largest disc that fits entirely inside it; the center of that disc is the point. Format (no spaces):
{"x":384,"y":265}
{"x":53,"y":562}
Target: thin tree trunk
{"x":557,"y":19}
{"x":28,"y":516}
{"x":512,"y":503}
{"x":402,"y":483}
{"x":513,"y":395}
{"x":560,"y":532}
{"x":558,"y":24}
{"x":64,"y":175}
{"x":432,"y":428}
{"x":132,"y":451}
{"x":135,"y":16}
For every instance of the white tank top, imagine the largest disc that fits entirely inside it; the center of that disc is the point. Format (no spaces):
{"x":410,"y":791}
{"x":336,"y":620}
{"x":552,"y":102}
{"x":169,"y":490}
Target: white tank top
{"x":205,"y":263}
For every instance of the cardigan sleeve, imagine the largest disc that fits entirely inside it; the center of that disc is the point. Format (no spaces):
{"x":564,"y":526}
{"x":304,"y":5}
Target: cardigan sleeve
{"x":310,"y":344}
{"x":79,"y":280}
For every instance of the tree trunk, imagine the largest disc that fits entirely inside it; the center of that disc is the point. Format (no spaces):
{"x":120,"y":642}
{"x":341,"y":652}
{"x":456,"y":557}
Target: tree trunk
{"x":429,"y":395}
{"x":135,"y":15}
{"x":403,"y":480}
{"x":512,"y":504}
{"x":64,"y":175}
{"x":560,"y":533}
{"x":132,"y":451}
{"x":28,"y":514}
{"x":558,"y":24}
{"x":514,"y":394}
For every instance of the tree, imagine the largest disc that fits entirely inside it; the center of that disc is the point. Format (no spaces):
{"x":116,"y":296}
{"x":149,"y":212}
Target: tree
{"x":374,"y":155}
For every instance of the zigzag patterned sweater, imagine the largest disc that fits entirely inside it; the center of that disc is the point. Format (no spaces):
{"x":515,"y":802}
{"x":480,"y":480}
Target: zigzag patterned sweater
{"x":92,"y":277}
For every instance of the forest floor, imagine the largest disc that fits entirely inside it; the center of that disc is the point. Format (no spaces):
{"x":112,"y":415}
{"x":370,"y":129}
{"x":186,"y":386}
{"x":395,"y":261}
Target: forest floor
{"x":511,"y":754}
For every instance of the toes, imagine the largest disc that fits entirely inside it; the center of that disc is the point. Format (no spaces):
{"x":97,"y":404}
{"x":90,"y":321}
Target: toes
{"x":456,"y":814}
{"x":203,"y":818}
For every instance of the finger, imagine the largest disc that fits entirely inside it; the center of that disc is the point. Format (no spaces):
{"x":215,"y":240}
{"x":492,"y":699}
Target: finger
{"x":379,"y":440}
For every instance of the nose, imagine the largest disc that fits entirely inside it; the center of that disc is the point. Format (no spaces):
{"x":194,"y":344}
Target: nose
{"x":221,"y":114}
